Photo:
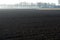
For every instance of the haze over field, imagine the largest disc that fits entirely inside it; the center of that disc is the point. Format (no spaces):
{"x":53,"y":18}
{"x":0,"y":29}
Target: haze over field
{"x":29,"y":4}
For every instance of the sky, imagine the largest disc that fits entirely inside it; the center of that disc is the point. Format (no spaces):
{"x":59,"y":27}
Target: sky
{"x":29,"y":1}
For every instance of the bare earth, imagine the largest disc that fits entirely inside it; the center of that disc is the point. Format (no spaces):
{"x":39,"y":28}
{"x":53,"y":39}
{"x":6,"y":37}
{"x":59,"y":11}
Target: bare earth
{"x":29,"y":24}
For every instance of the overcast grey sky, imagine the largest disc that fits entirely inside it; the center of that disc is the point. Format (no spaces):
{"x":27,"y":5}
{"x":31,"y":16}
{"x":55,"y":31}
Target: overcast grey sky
{"x":29,"y":1}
